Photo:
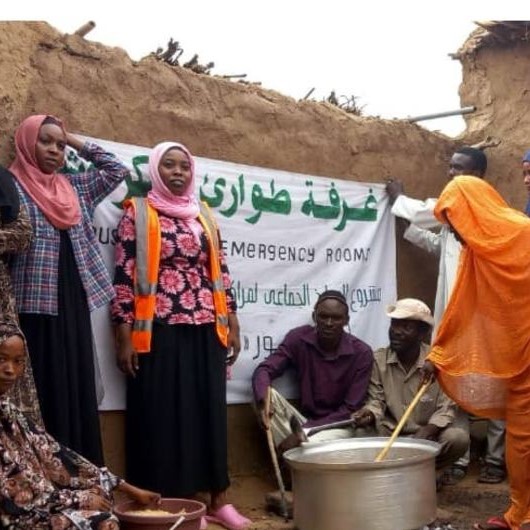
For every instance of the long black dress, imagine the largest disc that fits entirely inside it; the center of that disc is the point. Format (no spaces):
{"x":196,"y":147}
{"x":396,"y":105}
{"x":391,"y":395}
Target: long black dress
{"x":176,"y":428}
{"x":176,"y":413}
{"x":62,"y":358}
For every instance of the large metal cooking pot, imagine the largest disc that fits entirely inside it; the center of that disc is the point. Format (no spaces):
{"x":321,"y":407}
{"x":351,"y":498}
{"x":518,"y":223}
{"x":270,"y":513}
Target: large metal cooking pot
{"x":338,"y":486}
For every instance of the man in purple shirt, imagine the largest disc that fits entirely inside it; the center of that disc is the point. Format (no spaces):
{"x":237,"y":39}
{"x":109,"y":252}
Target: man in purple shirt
{"x":333,"y":372}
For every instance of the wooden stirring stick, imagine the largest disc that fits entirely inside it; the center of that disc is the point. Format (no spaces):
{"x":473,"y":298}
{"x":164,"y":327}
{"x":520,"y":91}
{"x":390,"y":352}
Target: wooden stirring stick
{"x":382,"y":455}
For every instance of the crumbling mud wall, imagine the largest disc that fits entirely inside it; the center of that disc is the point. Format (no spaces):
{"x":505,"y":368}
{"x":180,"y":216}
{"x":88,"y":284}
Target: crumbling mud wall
{"x":496,"y":80}
{"x":100,"y":92}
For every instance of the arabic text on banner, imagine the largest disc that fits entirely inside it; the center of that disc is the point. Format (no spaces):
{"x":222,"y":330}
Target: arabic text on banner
{"x":287,"y":238}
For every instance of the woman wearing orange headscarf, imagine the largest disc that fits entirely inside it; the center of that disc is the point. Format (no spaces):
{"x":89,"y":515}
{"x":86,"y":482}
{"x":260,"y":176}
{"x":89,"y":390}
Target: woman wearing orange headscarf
{"x":482,"y":350}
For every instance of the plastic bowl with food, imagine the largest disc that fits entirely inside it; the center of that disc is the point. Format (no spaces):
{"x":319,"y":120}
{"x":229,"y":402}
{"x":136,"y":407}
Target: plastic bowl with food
{"x":134,"y":516}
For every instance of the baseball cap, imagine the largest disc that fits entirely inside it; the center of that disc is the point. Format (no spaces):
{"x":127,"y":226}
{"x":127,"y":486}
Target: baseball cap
{"x":411,"y":309}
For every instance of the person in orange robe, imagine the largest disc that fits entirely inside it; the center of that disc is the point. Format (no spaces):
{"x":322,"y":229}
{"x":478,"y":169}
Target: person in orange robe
{"x":481,"y":354}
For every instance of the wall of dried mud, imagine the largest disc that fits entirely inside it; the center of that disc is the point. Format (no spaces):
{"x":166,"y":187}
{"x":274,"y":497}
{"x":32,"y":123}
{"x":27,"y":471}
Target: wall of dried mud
{"x":100,"y":92}
{"x":497,"y":83}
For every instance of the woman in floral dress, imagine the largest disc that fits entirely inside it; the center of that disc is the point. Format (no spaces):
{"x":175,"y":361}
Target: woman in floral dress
{"x":176,"y":428}
{"x":15,"y":237}
{"x":44,"y":485}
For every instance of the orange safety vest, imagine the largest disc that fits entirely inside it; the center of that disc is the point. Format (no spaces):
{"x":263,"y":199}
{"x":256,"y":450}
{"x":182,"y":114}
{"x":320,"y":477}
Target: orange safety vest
{"x":219,"y":292}
{"x":148,"y":245}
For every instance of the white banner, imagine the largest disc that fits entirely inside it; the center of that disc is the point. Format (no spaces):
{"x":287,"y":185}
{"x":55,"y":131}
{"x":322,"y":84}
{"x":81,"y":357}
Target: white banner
{"x":287,"y":237}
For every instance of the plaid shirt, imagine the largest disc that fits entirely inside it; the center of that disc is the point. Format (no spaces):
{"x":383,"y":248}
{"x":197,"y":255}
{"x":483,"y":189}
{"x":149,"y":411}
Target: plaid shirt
{"x":35,"y":274}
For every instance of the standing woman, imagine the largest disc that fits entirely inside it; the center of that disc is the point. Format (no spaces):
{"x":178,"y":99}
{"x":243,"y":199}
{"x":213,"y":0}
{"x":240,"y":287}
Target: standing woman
{"x":176,"y":331}
{"x":62,"y":277}
{"x":481,"y":354}
{"x":15,"y":236}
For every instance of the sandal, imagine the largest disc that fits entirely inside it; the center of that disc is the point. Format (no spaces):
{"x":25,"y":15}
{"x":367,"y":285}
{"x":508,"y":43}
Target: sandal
{"x":229,"y":517}
{"x":493,"y":523}
{"x":453,"y":475}
{"x":491,"y":474}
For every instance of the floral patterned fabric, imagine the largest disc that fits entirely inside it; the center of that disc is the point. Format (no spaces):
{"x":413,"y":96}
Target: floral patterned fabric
{"x":184,"y":291}
{"x":16,"y":237}
{"x":44,"y":485}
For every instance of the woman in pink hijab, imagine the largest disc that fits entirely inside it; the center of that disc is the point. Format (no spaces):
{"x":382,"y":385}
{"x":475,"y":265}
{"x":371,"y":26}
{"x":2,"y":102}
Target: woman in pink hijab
{"x":176,"y":424}
{"x":62,"y":277}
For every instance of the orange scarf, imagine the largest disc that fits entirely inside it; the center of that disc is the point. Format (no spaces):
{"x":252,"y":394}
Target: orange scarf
{"x":484,"y":337}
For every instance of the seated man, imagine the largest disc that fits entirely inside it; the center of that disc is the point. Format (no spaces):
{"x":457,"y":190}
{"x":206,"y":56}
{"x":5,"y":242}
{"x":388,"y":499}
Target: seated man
{"x":43,"y":484}
{"x":396,"y":378}
{"x":332,"y":368}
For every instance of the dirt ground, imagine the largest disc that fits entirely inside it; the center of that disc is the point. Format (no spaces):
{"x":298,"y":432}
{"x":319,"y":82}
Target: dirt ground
{"x":460,"y":505}
{"x":469,"y":501}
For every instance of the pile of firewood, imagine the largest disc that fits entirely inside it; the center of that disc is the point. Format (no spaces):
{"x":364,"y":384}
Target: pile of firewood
{"x":172,"y":54}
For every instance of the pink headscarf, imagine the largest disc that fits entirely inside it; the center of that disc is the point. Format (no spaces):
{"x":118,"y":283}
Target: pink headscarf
{"x":52,"y":193}
{"x":185,"y":206}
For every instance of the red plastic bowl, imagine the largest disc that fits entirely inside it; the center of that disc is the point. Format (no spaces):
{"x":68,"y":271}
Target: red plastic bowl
{"x":194,"y":511}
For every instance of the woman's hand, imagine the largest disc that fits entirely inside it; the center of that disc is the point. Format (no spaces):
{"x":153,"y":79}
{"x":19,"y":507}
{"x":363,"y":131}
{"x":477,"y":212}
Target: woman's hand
{"x":139,"y":495}
{"x":96,"y":502}
{"x":126,"y":357}
{"x":234,"y":344}
{"x":74,"y":141}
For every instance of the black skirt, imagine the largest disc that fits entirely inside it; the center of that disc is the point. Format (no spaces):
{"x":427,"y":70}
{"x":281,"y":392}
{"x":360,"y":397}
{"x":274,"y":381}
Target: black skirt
{"x":62,"y":357}
{"x":176,"y":426}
